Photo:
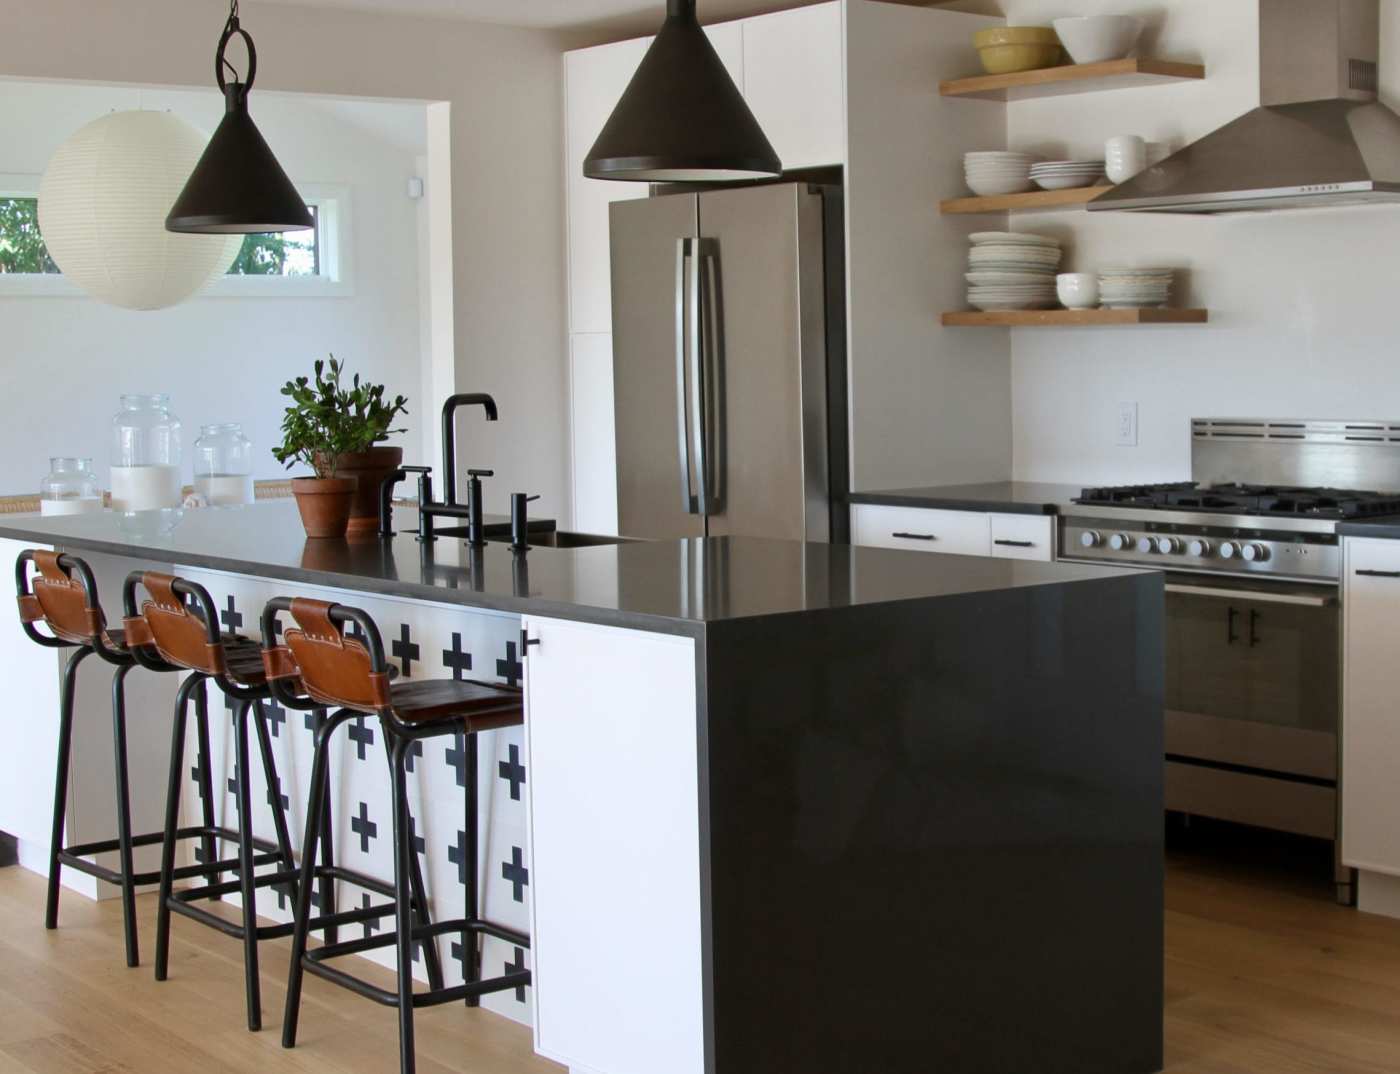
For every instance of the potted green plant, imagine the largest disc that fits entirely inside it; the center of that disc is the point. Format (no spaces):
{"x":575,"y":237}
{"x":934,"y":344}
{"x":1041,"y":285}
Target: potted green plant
{"x":336,"y":431}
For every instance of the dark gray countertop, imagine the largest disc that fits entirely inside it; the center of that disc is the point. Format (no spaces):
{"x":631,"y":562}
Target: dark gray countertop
{"x":1384,"y":528}
{"x":1003,"y":497}
{"x":674,"y":586}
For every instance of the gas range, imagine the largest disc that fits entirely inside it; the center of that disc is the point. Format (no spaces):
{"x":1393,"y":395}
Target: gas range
{"x":1248,"y":512}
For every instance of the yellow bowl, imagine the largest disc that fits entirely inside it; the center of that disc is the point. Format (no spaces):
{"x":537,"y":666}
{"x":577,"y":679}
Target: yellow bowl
{"x":1008,"y":59}
{"x":1016,"y":35}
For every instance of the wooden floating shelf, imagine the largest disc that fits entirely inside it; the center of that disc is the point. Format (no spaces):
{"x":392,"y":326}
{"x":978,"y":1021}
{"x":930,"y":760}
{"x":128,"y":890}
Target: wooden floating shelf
{"x":1070,"y":318}
{"x":1076,"y":78}
{"x":1035,"y":200}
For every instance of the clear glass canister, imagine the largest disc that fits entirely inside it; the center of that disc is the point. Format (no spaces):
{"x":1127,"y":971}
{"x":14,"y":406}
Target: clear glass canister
{"x":223,"y":465}
{"x":145,"y":455}
{"x":69,"y":488}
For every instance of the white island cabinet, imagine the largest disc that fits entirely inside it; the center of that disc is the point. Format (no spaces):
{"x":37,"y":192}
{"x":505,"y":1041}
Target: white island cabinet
{"x":1371,"y":720}
{"x":611,"y":734}
{"x":954,"y":532}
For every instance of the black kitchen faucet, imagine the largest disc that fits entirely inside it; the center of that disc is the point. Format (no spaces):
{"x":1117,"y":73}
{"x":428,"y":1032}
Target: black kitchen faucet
{"x":428,"y":509}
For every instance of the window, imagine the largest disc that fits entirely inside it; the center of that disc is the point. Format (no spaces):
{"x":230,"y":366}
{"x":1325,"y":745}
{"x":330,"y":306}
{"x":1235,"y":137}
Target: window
{"x":300,"y":264}
{"x":22,"y":248}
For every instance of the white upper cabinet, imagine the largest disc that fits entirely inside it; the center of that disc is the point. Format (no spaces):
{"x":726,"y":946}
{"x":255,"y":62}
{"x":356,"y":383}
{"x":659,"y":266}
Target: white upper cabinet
{"x":594,"y":79}
{"x":793,"y":82}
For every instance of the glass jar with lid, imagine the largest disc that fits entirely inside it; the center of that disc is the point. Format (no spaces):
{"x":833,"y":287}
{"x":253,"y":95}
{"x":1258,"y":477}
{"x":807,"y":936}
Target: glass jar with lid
{"x":69,"y":488}
{"x":223,"y":465}
{"x":145,"y":455}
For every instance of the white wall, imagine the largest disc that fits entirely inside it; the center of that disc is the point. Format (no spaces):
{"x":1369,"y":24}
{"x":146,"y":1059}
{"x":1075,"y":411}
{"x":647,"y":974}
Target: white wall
{"x":503,"y":89}
{"x":220,"y":358}
{"x":1301,"y":303}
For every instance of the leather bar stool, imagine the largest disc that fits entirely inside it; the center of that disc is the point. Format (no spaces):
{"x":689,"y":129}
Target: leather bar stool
{"x":353,"y":674}
{"x":59,"y":591}
{"x":180,"y":623}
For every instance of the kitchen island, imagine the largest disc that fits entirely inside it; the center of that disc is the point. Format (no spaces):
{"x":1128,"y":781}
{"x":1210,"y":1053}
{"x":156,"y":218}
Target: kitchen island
{"x":777,"y":807}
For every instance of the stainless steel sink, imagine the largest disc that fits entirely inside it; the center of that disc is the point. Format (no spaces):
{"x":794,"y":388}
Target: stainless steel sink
{"x":565,"y":539}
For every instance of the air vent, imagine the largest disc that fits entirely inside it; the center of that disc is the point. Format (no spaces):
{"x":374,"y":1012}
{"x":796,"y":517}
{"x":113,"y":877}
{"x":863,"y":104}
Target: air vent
{"x":1363,"y":77}
{"x":1315,"y":432}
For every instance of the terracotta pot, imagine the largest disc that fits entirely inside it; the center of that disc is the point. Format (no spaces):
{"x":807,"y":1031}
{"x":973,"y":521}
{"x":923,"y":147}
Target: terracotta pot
{"x":368,"y":469}
{"x":324,"y":503}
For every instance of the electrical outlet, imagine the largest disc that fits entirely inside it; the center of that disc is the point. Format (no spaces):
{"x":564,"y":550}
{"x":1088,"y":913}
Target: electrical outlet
{"x":1127,"y":434}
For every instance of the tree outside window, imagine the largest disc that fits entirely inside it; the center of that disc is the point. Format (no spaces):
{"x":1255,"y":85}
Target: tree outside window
{"x":22,"y":248}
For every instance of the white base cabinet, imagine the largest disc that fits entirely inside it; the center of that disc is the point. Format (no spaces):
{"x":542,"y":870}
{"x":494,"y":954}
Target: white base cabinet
{"x":959,"y":533}
{"x":611,"y":732}
{"x":1371,"y":705}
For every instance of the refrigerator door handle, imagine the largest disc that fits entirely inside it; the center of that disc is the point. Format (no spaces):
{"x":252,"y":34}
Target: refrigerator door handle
{"x":685,"y":250}
{"x":709,"y":381}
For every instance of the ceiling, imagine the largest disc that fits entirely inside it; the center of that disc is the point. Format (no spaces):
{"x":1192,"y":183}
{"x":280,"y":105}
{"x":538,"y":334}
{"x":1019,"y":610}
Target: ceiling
{"x":622,"y":16}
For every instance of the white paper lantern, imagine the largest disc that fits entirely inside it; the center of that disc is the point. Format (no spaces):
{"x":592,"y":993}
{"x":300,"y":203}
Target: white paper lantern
{"x":102,"y":207}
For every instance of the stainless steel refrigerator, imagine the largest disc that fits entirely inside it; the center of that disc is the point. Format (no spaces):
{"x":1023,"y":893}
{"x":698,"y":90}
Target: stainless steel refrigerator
{"x":729,"y":364}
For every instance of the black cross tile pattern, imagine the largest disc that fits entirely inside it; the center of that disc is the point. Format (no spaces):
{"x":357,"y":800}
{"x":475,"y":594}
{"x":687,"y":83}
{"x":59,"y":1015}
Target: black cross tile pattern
{"x":415,"y":751}
{"x":233,"y":784}
{"x":231,"y":617}
{"x":312,"y":720}
{"x":513,"y":772}
{"x":275,"y":788}
{"x":371,"y":925}
{"x":362,"y":735}
{"x":515,"y":874}
{"x":353,"y":630}
{"x":457,"y":855}
{"x":457,"y":757}
{"x":284,"y":893}
{"x":510,"y":668}
{"x":515,"y":966}
{"x":199,"y":853}
{"x":420,"y":845}
{"x":459,"y":955}
{"x":276,"y":628}
{"x":365,"y":828}
{"x":457,"y":659}
{"x":194,"y":773}
{"x":276,"y":716}
{"x":406,"y":650}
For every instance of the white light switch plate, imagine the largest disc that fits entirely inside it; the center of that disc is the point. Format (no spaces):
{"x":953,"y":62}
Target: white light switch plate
{"x":1127,"y":430}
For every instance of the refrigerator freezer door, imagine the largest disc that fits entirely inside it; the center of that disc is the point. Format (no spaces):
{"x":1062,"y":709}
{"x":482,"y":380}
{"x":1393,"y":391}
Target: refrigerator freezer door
{"x":653,"y":340}
{"x":763,"y":303}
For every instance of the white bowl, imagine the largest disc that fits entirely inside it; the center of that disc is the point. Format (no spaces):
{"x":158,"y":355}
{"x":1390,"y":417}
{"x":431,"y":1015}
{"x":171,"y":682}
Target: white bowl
{"x":987,"y":187}
{"x":1065,"y":182}
{"x":1098,"y":38}
{"x":1077,"y":290}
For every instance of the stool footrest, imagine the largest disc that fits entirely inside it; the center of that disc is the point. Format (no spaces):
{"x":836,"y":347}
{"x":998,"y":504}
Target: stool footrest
{"x":233,"y":887}
{"x":431,"y":998}
{"x":228,"y":928}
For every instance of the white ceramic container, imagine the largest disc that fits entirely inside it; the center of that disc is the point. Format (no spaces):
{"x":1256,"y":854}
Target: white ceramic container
{"x":1077,"y":290}
{"x":1099,"y":38}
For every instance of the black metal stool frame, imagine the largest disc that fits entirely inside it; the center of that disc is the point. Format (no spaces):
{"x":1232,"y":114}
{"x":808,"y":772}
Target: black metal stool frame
{"x":124,"y":877}
{"x":252,"y":851}
{"x":399,"y":737}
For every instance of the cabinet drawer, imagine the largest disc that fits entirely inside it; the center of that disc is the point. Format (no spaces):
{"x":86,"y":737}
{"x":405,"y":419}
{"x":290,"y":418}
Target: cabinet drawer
{"x":961,"y":533}
{"x":1023,"y":537}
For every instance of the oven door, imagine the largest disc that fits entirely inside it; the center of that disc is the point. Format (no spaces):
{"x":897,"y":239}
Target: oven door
{"x":1252,"y":702}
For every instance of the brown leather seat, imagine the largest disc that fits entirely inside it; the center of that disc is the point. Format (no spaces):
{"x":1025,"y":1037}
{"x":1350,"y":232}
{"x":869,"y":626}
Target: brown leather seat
{"x":339,"y":670}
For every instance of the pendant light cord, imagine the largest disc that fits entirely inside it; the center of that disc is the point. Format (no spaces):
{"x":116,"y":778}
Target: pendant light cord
{"x":221,"y":63}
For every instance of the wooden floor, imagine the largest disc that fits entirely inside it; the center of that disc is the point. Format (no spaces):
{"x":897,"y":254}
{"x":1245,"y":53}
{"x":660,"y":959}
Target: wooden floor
{"x":1265,"y":975}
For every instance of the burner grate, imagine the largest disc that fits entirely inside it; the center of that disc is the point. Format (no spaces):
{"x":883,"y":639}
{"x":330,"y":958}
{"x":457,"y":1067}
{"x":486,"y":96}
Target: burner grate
{"x":1238,"y":499}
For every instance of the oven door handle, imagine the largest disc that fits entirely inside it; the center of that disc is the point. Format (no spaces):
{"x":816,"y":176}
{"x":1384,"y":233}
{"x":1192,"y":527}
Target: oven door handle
{"x":1301,"y":599}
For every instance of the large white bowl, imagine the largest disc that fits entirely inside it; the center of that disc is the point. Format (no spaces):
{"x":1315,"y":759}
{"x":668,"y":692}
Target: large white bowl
{"x":1096,"y":38}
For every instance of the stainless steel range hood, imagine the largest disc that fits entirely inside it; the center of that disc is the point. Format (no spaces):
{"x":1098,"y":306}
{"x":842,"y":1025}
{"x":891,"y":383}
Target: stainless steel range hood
{"x":1319,"y":138}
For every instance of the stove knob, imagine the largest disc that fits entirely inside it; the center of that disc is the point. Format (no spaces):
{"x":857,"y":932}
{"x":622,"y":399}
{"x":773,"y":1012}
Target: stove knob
{"x":1255,"y":553}
{"x":1168,"y":546}
{"x":1119,"y":542}
{"x":1090,"y":539}
{"x":1229,"y":550}
{"x":1146,"y":545}
{"x":1200,"y":548}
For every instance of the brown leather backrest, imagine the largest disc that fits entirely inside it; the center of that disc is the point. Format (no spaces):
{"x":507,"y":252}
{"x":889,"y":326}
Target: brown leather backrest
{"x":166,"y":622}
{"x":334,"y":669}
{"x":61,"y":603}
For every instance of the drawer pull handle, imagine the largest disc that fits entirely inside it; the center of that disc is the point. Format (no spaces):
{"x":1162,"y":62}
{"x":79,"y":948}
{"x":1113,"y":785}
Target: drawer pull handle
{"x":914,"y":536}
{"x":1015,"y":544}
{"x":1378,"y":574}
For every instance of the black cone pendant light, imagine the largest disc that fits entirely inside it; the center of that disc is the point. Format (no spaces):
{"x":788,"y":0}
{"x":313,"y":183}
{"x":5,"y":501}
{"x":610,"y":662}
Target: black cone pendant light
{"x":237,"y":187}
{"x":681,"y":119}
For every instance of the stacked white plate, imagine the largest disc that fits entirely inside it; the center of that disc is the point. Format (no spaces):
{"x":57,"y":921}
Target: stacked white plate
{"x":1012,"y":271}
{"x":1135,"y":288}
{"x":989,"y":174}
{"x":1063,"y":174}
